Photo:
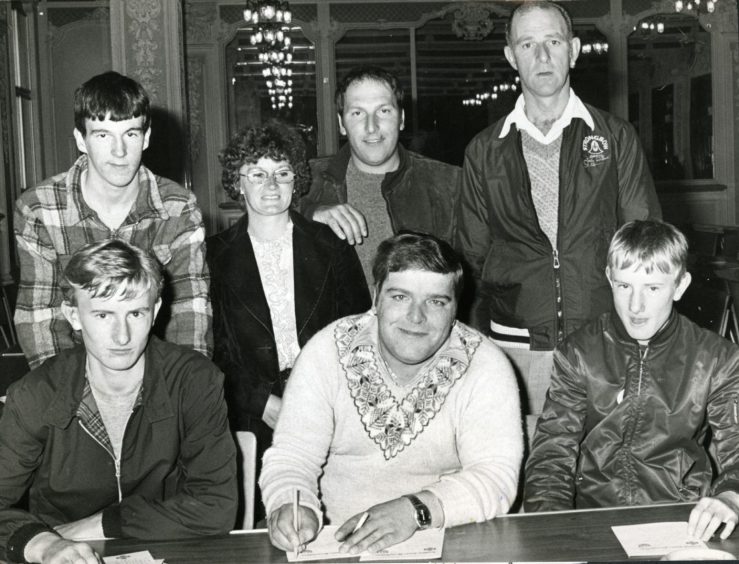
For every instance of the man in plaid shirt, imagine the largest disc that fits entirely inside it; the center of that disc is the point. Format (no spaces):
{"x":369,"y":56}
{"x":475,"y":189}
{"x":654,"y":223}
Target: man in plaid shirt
{"x":106,"y":194}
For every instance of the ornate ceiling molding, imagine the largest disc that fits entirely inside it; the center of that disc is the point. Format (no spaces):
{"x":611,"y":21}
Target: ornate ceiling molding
{"x":473,"y":22}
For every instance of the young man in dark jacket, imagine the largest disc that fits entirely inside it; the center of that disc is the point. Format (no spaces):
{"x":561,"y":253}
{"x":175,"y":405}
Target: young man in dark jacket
{"x":124,"y":436}
{"x":634,"y":397}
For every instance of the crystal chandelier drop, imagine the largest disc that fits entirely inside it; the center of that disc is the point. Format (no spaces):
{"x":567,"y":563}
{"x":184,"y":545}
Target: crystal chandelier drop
{"x":697,"y":6}
{"x":271,"y":36}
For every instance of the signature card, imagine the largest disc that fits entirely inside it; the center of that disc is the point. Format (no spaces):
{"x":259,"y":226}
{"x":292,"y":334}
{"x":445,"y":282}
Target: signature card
{"x":655,"y":539}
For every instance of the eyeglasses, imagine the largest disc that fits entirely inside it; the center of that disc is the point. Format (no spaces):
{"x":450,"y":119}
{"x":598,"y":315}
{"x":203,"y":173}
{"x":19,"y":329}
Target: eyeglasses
{"x":259,"y":176}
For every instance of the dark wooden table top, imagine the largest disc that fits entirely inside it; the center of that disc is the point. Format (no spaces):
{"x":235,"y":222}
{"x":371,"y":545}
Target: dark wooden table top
{"x":567,"y":535}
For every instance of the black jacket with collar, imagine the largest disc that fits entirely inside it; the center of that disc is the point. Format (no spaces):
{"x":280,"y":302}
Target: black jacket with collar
{"x":520,"y":281}
{"x":329,"y":284}
{"x":178,"y":460}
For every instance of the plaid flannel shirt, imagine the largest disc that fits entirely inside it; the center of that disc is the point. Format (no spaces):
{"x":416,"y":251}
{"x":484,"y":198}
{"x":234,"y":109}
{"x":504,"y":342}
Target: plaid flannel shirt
{"x":52,"y":221}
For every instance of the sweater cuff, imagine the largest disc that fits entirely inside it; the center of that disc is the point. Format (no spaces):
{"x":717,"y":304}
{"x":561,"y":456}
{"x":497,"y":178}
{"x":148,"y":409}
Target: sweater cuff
{"x":112,"y":522}
{"x":15,"y":549}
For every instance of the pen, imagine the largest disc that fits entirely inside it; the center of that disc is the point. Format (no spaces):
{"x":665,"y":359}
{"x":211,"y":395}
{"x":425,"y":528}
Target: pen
{"x":362,"y":521}
{"x":296,"y":521}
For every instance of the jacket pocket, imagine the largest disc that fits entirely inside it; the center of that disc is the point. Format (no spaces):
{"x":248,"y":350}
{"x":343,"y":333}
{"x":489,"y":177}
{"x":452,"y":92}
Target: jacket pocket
{"x":688,"y":483}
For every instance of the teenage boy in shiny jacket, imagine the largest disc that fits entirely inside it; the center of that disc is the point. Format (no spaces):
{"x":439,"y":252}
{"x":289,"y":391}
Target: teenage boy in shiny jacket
{"x":634,"y":397}
{"x":126,"y":436}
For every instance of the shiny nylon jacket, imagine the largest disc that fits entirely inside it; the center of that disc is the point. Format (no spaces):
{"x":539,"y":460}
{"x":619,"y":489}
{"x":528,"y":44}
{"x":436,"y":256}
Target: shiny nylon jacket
{"x":627,"y":425}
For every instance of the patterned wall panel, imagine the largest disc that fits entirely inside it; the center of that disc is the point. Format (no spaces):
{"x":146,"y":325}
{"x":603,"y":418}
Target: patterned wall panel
{"x":145,"y":44}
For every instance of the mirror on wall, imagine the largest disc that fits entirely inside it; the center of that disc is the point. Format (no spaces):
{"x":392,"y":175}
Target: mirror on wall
{"x":670,"y":95}
{"x":252,"y":97}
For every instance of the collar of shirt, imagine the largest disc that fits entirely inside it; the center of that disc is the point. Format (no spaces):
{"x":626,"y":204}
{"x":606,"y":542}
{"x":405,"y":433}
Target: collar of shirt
{"x":574,"y":109}
{"x":148,"y":201}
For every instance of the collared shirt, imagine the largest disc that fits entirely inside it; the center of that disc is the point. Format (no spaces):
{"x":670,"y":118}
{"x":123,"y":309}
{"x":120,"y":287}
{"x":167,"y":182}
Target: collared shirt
{"x":574,"y":109}
{"x":88,"y":412}
{"x":52,"y":221}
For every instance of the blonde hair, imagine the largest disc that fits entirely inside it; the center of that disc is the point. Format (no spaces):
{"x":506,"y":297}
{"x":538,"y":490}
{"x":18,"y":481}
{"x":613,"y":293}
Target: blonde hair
{"x":111,"y":267}
{"x":650,"y":244}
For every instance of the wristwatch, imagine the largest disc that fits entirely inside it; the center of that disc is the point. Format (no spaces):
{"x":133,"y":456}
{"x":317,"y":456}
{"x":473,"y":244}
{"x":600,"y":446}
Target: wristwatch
{"x":423,"y":515}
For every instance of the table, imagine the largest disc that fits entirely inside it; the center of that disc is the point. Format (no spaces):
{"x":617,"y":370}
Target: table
{"x":567,"y":535}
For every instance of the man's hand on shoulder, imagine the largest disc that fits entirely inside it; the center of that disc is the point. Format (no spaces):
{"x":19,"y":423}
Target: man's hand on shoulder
{"x":345,"y":220}
{"x":710,"y":512}
{"x":48,"y":548}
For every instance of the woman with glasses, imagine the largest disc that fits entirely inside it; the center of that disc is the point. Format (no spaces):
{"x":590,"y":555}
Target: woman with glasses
{"x":276,"y":277}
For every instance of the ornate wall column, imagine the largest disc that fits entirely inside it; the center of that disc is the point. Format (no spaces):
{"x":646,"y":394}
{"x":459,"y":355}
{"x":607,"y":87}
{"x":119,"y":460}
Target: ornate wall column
{"x":147,"y":44}
{"x":6,"y":154}
{"x":723,"y":27}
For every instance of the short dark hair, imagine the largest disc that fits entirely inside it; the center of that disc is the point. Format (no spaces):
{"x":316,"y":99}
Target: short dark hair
{"x":275,"y":140}
{"x":525,"y":7}
{"x":367,"y":72}
{"x":416,"y":251}
{"x":109,"y":267}
{"x":110,"y":93}
{"x":651,"y":244}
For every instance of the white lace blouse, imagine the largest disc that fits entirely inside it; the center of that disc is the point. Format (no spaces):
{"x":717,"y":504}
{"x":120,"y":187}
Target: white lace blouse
{"x":275,"y":263}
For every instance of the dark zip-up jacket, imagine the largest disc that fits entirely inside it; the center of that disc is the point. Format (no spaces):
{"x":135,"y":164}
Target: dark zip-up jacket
{"x":604,"y":182}
{"x":625,"y":424}
{"x":178,"y":461}
{"x":420,"y":195}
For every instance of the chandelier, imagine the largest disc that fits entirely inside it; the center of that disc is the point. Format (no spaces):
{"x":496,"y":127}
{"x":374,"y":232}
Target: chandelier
{"x":698,"y":6}
{"x":650,"y":27}
{"x":597,"y":47}
{"x":493,"y":92}
{"x":271,"y":36}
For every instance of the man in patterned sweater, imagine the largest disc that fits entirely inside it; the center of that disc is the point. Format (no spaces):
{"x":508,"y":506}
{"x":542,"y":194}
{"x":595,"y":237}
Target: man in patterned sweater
{"x":108,"y":193}
{"x":401,"y":413}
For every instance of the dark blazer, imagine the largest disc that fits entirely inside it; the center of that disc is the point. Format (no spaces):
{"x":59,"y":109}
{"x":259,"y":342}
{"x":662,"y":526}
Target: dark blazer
{"x":329,"y":284}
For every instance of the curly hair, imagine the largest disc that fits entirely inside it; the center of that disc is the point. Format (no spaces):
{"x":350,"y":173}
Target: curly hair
{"x":275,"y":140}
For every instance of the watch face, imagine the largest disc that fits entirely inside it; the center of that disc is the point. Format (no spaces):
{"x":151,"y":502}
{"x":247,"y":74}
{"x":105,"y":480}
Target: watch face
{"x":423,"y":515}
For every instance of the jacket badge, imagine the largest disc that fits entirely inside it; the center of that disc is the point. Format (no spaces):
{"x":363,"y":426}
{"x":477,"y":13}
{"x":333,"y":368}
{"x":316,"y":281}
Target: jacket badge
{"x":595,"y":150}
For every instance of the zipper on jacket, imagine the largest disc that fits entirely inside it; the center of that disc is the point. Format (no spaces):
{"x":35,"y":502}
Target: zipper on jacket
{"x":736,"y":413}
{"x":558,"y":319}
{"x":642,"y":358}
{"x":116,"y":462}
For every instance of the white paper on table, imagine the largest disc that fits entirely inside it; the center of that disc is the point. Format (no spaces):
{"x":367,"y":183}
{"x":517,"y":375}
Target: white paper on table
{"x":141,"y":557}
{"x":655,"y":539}
{"x":422,"y":545}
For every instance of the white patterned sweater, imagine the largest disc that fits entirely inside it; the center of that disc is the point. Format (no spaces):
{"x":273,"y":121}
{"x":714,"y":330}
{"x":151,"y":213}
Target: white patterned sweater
{"x":341,"y":432}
